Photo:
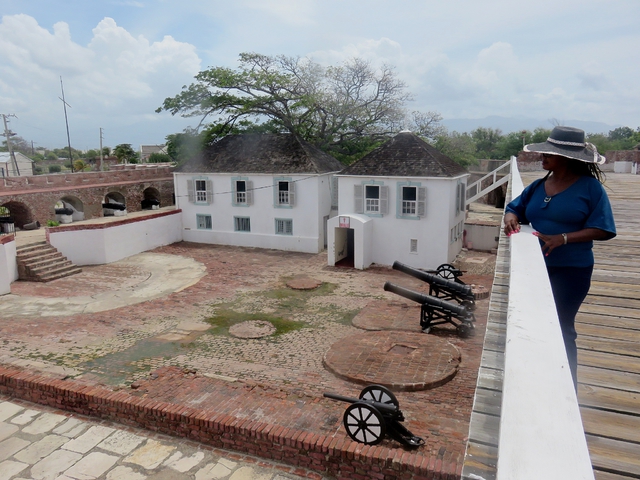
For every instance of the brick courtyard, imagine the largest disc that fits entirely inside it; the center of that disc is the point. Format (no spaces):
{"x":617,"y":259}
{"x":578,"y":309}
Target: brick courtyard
{"x":177,"y":350}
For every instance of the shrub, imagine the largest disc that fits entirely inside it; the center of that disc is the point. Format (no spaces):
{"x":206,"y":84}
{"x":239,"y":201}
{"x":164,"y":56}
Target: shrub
{"x":55,"y":168}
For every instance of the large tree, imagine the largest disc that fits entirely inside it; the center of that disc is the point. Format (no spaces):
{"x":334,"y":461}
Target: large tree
{"x":125,"y":153}
{"x":344,"y":110}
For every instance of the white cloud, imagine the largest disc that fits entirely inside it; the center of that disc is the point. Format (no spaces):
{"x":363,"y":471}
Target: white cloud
{"x":115,"y":75}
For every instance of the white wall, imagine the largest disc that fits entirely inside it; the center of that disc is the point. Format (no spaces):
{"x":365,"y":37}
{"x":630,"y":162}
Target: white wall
{"x":312,"y":204}
{"x":392,"y":236}
{"x":98,"y":244}
{"x":8,"y":266}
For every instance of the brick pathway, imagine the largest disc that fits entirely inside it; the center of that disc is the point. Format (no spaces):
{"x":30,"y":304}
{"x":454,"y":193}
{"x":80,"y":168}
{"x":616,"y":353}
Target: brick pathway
{"x":177,"y":348}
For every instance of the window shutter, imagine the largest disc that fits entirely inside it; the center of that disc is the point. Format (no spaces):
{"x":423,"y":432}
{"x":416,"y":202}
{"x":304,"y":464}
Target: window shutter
{"x":209,"y":192}
{"x":422,"y":201}
{"x":357,"y":197}
{"x":463,"y":197}
{"x":191,"y":190}
{"x":334,"y":193}
{"x":384,"y":200}
{"x":234,"y":188}
{"x":249,"y":188}
{"x":292,"y":193}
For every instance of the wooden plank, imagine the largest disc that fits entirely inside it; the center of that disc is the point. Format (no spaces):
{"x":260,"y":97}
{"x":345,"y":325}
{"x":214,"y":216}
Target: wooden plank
{"x":609,"y":399}
{"x":622,"y":301}
{"x":488,"y":401}
{"x":484,"y":429}
{"x":480,"y":462}
{"x":612,"y":321}
{"x":600,"y":475}
{"x":611,"y":424}
{"x":608,"y":361}
{"x":602,"y":377}
{"x":614,"y":311}
{"x":612,"y":333}
{"x":614,"y":456}
{"x":602,"y":344}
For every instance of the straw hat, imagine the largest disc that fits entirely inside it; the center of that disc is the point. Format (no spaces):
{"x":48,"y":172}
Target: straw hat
{"x":568,"y":142}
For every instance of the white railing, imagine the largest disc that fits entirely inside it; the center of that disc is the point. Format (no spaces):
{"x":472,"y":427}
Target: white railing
{"x":476,"y":189}
{"x":541,"y":433}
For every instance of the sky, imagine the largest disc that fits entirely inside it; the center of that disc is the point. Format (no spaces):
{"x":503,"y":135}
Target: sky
{"x":531,"y":62}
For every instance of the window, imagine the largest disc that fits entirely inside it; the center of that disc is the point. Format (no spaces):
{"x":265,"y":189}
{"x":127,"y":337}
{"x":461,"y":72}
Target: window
{"x":204,"y":222}
{"x":284,"y":226}
{"x":242,"y":224}
{"x":200,"y":190}
{"x":242,"y":192}
{"x":284,"y":193}
{"x":409,"y":200}
{"x":461,"y":197}
{"x":371,"y":198}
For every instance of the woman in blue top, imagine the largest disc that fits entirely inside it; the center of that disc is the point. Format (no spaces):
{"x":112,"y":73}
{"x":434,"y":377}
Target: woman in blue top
{"x":569,"y":209}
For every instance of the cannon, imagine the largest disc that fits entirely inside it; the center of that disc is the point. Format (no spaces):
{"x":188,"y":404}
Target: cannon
{"x":436,"y":311}
{"x":374,"y":415}
{"x":441,"y":287}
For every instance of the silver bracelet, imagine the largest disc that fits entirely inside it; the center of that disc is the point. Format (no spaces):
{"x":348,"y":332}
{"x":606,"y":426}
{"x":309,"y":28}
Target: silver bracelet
{"x":564,"y":235}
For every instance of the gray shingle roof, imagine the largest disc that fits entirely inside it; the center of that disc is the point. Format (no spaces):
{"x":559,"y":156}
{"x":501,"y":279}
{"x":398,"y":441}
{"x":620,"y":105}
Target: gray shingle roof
{"x":405,"y":155}
{"x":262,"y":153}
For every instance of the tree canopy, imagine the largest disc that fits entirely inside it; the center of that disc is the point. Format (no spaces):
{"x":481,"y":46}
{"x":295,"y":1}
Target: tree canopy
{"x":345,"y":110}
{"x":125,"y":153}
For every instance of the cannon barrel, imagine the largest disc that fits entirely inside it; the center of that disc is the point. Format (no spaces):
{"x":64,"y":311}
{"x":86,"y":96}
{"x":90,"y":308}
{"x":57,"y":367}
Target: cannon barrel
{"x":457,"y":310}
{"x":450,"y":285}
{"x":381,"y":407}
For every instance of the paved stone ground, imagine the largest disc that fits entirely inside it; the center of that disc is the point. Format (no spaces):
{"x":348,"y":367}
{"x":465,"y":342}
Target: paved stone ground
{"x":40,"y":443}
{"x":177,"y":347}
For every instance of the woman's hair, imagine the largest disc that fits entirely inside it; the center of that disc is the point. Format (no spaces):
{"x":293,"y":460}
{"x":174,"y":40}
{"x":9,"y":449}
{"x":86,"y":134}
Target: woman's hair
{"x":590,"y":169}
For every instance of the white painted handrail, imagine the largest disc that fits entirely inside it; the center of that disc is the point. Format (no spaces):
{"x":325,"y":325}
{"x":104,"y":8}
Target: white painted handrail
{"x":541,"y":432}
{"x":475,"y":190}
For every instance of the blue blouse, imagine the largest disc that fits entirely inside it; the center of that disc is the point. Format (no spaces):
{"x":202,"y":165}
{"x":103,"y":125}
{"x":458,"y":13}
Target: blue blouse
{"x":583,"y":205}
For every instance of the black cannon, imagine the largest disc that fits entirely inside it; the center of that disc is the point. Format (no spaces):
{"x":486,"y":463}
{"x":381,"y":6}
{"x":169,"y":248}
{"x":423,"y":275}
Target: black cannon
{"x":374,"y":415}
{"x":435,"y":311}
{"x":441,"y":287}
{"x":448,"y":271}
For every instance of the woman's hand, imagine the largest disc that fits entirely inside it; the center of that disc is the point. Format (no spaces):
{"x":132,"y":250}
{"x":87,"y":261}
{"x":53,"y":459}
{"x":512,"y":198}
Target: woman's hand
{"x":549,"y":242}
{"x":511,"y":224}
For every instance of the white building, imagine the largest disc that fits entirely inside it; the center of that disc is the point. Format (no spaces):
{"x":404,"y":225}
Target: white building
{"x":8,"y":167}
{"x":267,"y":191}
{"x":404,"y":201}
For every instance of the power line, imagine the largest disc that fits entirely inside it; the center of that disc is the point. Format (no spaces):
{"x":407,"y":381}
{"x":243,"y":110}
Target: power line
{"x":8,"y":134}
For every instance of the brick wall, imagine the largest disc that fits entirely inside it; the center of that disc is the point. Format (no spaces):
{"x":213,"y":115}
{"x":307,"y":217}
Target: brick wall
{"x":34,"y":198}
{"x":334,"y":455}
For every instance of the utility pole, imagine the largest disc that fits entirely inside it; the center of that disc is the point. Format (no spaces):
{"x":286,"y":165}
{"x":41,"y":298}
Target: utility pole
{"x":101,"y":152}
{"x":8,"y":134}
{"x":67,"y":122}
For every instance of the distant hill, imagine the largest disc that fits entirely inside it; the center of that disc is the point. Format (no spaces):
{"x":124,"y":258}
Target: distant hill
{"x":514,"y":124}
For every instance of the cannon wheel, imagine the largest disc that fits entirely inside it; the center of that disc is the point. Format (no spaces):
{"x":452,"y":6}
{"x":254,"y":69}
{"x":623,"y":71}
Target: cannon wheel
{"x":379,"y":393}
{"x":364,"y":423}
{"x":447,"y":271}
{"x":465,"y":330}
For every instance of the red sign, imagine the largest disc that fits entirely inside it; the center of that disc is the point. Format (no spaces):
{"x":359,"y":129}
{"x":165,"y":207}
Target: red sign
{"x":345,"y":222}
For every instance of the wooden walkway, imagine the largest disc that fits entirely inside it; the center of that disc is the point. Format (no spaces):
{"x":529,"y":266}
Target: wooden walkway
{"x":608,"y":327}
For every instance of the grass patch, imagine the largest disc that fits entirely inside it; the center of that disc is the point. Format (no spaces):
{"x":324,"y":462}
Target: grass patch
{"x":225,"y":318}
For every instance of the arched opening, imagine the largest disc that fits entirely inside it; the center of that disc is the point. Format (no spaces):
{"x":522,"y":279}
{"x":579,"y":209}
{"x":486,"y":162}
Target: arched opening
{"x":114,"y":205}
{"x":19,"y":213}
{"x":151,"y":199}
{"x":74,"y":204}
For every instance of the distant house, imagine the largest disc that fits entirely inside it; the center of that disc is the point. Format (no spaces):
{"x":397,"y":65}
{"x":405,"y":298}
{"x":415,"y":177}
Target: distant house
{"x":8,"y":167}
{"x":404,"y":201}
{"x":147,"y":150}
{"x":268,"y":191}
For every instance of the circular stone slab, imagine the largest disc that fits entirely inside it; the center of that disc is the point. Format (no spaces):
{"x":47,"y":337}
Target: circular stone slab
{"x":398,"y":360}
{"x":302,"y":282}
{"x":252,"y":329}
{"x":480,"y":292}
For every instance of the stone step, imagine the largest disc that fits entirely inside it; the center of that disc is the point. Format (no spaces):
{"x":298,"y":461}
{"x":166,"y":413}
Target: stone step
{"x":41,"y":262}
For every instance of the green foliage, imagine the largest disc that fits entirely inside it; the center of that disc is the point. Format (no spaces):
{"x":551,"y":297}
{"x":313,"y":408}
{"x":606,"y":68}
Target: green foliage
{"x":460,"y":147}
{"x":106,"y":151}
{"x":331,"y":107}
{"x":51,"y":156}
{"x":125,"y":153}
{"x":81,"y":166}
{"x":52,"y":223}
{"x":37,"y":170}
{"x":55,"y":168}
{"x":159,"y":158}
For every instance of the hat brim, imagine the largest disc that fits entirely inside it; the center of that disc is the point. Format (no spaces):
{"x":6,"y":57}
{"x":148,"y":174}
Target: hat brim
{"x":582,"y":154}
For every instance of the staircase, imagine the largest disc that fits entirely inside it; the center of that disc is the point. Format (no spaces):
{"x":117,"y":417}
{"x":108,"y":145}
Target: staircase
{"x":41,"y":262}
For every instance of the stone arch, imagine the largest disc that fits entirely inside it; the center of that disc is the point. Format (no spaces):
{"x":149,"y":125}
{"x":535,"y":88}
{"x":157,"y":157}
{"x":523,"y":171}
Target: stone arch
{"x":113,"y":197}
{"x":150,"y":198}
{"x":75,"y":204}
{"x":20,"y":213}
